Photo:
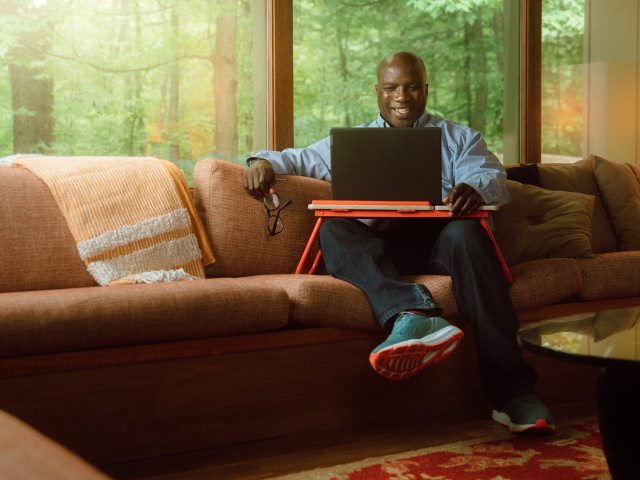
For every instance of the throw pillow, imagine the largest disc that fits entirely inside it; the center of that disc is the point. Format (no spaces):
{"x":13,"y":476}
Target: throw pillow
{"x":539,"y":223}
{"x":579,"y":178}
{"x":619,"y":185}
{"x":527,"y":174}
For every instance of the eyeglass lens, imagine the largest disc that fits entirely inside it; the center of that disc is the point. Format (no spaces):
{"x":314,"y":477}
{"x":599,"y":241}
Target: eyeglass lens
{"x":275,"y":224}
{"x":272,"y":201}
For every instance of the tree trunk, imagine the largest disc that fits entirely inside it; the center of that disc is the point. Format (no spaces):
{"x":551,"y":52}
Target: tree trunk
{"x":247,"y":53}
{"x":225,"y":81}
{"x":32,"y":99}
{"x":345,"y":72}
{"x":498,"y":26}
{"x":467,"y":72}
{"x":174,"y":91}
{"x":125,"y":40}
{"x":479,"y":65}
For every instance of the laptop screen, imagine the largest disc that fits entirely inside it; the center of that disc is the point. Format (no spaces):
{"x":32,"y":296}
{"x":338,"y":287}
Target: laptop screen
{"x":387,"y":164}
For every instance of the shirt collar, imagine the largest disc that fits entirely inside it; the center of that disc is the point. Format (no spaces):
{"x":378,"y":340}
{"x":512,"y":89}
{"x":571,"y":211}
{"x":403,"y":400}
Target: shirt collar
{"x":420,"y":122}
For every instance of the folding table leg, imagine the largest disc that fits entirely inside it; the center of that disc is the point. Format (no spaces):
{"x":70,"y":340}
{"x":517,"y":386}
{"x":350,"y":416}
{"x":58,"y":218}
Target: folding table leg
{"x":312,"y":239}
{"x":315,"y":262}
{"x":506,"y":271}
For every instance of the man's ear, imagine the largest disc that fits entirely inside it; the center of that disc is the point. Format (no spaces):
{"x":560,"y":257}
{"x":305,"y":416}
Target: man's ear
{"x":376,"y":89}
{"x":426,"y":88}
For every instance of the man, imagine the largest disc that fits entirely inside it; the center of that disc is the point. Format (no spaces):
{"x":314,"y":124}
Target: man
{"x":373,"y":260}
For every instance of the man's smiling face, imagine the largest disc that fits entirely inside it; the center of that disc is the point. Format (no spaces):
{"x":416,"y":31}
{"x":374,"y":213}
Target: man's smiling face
{"x":401,"y":90}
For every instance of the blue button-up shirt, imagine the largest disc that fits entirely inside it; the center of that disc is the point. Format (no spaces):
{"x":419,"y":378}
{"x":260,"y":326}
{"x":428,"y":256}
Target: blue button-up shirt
{"x":465,"y":159}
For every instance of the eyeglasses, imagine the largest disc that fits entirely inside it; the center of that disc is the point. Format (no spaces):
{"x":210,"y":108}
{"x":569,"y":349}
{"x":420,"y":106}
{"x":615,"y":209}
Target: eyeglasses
{"x":272,"y":204}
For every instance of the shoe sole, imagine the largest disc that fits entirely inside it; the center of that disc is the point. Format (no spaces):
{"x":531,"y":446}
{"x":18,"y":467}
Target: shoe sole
{"x":541,"y":425}
{"x":405,"y":359}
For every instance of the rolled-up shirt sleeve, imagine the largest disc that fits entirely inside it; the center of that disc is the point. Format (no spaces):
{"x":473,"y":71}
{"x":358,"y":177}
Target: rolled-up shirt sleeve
{"x":313,"y":161}
{"x":476,"y":166}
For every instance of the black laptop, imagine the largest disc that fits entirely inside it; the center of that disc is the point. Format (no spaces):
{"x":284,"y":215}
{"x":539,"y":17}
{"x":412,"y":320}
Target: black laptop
{"x":387,"y":164}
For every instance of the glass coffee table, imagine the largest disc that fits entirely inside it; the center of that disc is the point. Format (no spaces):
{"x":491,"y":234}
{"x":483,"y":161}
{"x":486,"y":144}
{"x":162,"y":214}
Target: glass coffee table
{"x":610,"y":340}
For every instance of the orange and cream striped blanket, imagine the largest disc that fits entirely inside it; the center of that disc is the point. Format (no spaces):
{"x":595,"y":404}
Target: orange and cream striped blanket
{"x":132,"y":217}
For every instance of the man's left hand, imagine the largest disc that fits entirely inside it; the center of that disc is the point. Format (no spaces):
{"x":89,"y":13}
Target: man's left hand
{"x":462,"y":200}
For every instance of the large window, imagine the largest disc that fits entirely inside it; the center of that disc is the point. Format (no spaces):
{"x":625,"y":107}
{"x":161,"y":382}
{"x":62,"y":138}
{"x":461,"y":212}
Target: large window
{"x":562,"y":80}
{"x":590,"y":81}
{"x":186,"y":79}
{"x":339,"y":44}
{"x":176,"y":79}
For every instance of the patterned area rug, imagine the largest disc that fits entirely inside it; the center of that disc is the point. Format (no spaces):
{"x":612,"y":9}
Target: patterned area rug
{"x":572,"y":452}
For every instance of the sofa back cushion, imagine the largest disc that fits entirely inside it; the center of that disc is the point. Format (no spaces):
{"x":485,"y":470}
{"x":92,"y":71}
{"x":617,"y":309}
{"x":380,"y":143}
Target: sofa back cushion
{"x":619,"y":185}
{"x":525,"y":174}
{"x":37,"y":251}
{"x":540,"y":223}
{"x":236,"y":223}
{"x":579,"y":178}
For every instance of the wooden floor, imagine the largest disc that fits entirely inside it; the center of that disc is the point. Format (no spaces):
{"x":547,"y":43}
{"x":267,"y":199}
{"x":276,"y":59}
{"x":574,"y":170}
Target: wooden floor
{"x":281,"y":456}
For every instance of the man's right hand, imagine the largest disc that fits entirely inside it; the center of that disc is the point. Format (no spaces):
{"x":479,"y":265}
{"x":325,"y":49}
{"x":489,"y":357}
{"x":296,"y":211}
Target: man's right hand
{"x":259,"y":178}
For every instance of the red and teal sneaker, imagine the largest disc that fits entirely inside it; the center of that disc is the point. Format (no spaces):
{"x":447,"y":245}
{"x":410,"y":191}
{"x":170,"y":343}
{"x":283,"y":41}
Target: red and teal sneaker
{"x":415,"y":343}
{"x":525,"y":414}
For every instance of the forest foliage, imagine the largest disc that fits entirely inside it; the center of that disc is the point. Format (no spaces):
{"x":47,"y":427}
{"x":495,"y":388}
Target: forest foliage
{"x":339,"y":44}
{"x":138,"y":77}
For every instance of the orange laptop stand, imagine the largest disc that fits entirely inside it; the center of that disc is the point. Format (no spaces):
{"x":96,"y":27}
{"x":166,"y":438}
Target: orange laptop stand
{"x":354,"y":209}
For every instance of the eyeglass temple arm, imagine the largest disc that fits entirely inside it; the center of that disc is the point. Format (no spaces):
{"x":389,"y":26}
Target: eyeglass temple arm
{"x":287,"y":203}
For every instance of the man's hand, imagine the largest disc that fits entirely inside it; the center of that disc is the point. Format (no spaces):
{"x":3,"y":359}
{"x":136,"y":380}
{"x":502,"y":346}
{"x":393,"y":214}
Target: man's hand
{"x":259,"y":178}
{"x":463,"y":199}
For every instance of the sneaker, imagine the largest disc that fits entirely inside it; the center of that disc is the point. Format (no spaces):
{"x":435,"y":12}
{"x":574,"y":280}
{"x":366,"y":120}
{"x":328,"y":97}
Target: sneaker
{"x":415,"y":343}
{"x":525,"y":414}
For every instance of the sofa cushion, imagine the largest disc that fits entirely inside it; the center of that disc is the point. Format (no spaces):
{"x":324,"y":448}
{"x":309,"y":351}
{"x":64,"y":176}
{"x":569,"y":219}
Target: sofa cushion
{"x":619,"y":185}
{"x":53,"y":321}
{"x":37,"y":251}
{"x":544,"y":282}
{"x":324,"y":301}
{"x":535,"y":284}
{"x":610,"y":275}
{"x":539,"y":223}
{"x":579,"y":178}
{"x":237,"y":224}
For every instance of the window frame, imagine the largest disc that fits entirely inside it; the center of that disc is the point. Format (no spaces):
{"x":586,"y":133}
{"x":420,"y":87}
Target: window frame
{"x":280,"y":77}
{"x":530,"y":81}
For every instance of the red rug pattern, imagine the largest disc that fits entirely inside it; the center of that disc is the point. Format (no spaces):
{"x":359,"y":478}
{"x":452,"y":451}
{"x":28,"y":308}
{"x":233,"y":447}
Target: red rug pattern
{"x":571,"y":453}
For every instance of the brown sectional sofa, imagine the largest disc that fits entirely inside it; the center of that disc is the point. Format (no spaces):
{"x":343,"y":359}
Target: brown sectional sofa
{"x":130,"y":372}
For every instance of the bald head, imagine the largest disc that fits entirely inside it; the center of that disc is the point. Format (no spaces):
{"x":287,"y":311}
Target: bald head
{"x":402,"y":90}
{"x":402,"y":58}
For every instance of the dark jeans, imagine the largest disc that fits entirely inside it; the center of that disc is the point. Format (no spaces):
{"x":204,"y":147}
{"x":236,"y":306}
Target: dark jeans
{"x":373,"y":261}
